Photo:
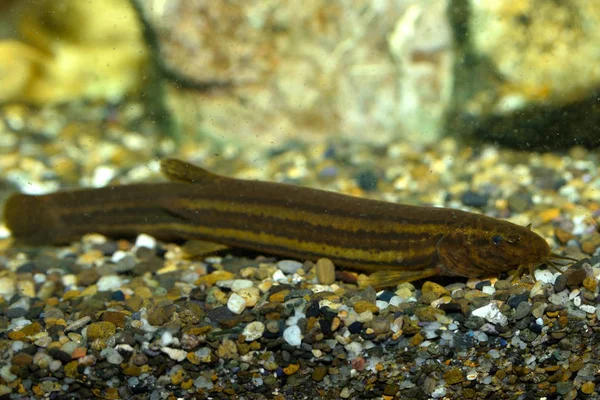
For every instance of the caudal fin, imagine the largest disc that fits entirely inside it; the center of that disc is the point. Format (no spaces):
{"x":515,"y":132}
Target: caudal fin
{"x":31,"y":220}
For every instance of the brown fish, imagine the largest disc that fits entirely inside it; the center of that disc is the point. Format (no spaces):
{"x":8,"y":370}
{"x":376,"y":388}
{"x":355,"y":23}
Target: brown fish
{"x":394,"y":242}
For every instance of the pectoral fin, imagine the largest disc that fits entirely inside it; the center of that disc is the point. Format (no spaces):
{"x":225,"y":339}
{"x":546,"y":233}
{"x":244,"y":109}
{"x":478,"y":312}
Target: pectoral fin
{"x":383,"y":279}
{"x":198,"y":248}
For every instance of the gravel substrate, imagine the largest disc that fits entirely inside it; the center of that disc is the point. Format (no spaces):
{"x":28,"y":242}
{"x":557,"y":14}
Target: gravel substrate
{"x":141,"y":319}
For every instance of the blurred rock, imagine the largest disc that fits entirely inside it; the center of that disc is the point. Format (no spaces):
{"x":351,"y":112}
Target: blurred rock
{"x":70,"y":49}
{"x":525,"y":75}
{"x":260,"y":72}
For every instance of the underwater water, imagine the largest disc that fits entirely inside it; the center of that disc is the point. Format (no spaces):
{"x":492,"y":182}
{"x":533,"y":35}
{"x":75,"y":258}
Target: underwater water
{"x":294,"y":200}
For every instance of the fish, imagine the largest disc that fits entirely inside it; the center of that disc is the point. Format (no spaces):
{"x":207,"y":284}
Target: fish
{"x":389,"y":242}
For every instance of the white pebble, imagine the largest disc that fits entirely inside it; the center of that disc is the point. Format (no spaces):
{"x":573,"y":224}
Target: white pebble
{"x":166,"y":338}
{"x":174,"y":354}
{"x":488,"y":290}
{"x":235,"y":284}
{"x":4,"y":232}
{"x":545,"y":276}
{"x":102,"y":176}
{"x":69,"y":280}
{"x":112,"y":356}
{"x":254,"y":331}
{"x":289,"y":266}
{"x":472,"y":375}
{"x":396,"y":301}
{"x":559,"y":298}
{"x":382,"y":305}
{"x":439,"y":392}
{"x":491,"y":313}
{"x":145,"y":240}
{"x":587,"y":308}
{"x":236,"y":303}
{"x":118,"y":256}
{"x":109,"y":283}
{"x":279,"y":277}
{"x":7,"y":287}
{"x":292,"y":335}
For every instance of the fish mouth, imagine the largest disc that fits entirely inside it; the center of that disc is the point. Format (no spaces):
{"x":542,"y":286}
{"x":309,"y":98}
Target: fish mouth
{"x":549,"y":261}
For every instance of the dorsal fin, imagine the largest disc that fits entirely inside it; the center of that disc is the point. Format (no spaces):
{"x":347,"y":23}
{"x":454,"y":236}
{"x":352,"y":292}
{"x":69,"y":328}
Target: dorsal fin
{"x":181,"y":171}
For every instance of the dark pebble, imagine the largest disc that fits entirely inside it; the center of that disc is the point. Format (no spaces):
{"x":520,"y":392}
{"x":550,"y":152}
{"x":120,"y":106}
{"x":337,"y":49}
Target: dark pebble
{"x":16,"y":312}
{"x":34,"y":313}
{"x":107,"y":248}
{"x":564,"y":387}
{"x":224,"y":317}
{"x":59,"y":355}
{"x":367,"y":180}
{"x":515,"y":300}
{"x":474,"y":322}
{"x":313,"y":309}
{"x":386,"y":295}
{"x":450,"y":308}
{"x":328,"y":313}
{"x":355,"y":327}
{"x":325,"y":326}
{"x":474,"y":199}
{"x":482,"y":284}
{"x":575,"y":277}
{"x":561,"y":283}
{"x":117,"y":296}
{"x":523,"y":310}
{"x":27,"y":268}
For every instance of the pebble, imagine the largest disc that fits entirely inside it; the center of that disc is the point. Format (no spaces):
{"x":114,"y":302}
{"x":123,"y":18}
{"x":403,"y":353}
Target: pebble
{"x":289,"y":267}
{"x":235,"y":284}
{"x":491,"y":313}
{"x":144,"y":240}
{"x":474,"y":199}
{"x":292,"y":335}
{"x":174,"y":354}
{"x":7,"y":287}
{"x":254,"y":331}
{"x":325,"y":270}
{"x":109,"y":283}
{"x":236,"y":303}
{"x":101,"y":330}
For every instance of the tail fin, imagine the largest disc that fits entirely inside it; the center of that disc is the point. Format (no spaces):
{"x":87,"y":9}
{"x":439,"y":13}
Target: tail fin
{"x":181,"y":171}
{"x":31,"y":220}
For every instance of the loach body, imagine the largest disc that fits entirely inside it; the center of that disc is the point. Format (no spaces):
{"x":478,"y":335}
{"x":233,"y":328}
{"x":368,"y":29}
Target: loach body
{"x":397,"y":242}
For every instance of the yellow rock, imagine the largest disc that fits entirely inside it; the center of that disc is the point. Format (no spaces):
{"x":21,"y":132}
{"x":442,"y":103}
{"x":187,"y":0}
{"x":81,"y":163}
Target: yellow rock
{"x":211,"y":279}
{"x":64,"y":52}
{"x":291,"y":369}
{"x":71,"y":369}
{"x":588,"y":387}
{"x":434,"y":289}
{"x":187,"y":384}
{"x":132,"y":370}
{"x":279,"y":296}
{"x":178,"y":376}
{"x":71,"y":294}
{"x":549,"y":214}
{"x":26,"y":288}
{"x":362,"y":306}
{"x":101,"y":330}
{"x":89,"y":291}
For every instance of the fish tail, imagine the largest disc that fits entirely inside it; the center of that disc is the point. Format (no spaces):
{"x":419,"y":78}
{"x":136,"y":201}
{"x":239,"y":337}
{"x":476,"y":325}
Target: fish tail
{"x":31,"y":220}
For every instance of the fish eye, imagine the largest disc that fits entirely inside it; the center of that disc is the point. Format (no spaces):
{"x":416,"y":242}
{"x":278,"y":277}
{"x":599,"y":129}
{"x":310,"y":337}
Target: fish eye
{"x":496,"y":239}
